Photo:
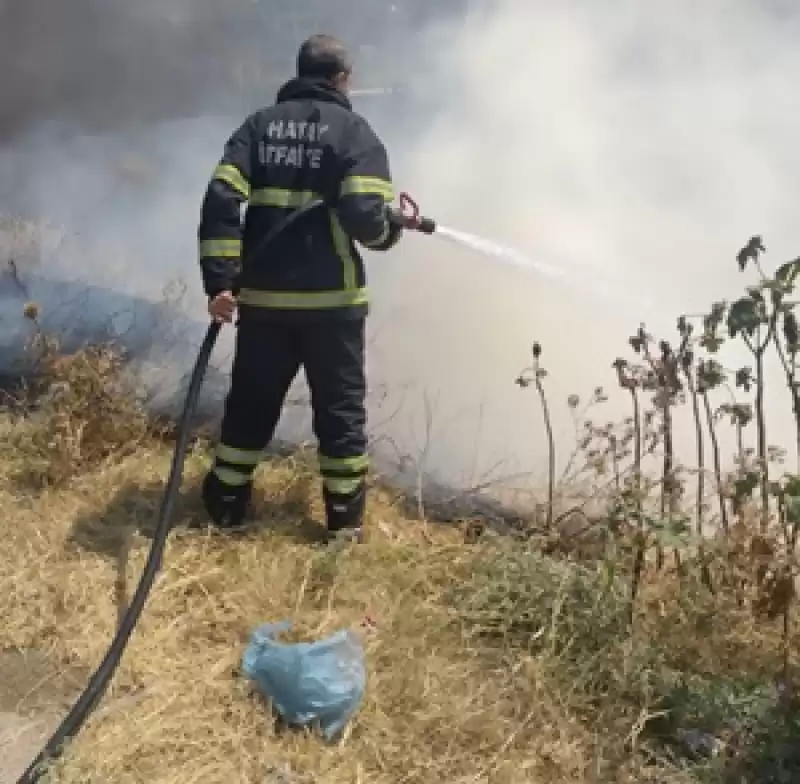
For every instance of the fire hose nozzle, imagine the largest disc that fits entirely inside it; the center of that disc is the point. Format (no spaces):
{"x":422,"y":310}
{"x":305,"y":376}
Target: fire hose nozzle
{"x":411,"y":218}
{"x":426,"y":225}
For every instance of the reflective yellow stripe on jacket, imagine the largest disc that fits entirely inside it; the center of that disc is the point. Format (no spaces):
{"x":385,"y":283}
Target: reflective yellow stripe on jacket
{"x":281,"y":197}
{"x":297,"y":300}
{"x":357,"y":185}
{"x":221,"y":248}
{"x":348,"y":296}
{"x":229,"y":174}
{"x":363,"y":186}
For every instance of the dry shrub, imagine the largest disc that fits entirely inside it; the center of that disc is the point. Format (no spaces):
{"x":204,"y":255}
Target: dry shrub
{"x":690,"y":690}
{"x":80,"y":411}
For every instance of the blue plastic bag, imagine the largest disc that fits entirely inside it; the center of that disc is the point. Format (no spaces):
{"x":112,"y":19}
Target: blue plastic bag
{"x":323,"y":681}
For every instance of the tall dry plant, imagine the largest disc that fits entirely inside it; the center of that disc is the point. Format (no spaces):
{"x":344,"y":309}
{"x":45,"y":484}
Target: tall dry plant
{"x":534,"y":375}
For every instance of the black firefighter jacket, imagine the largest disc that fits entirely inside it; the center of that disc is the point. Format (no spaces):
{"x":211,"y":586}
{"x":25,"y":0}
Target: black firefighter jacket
{"x":310,"y":144}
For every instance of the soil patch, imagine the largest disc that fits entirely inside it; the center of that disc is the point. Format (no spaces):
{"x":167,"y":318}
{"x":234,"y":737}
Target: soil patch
{"x":35,"y":693}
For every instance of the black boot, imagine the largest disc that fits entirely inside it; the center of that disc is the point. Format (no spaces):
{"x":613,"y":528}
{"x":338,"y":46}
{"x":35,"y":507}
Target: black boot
{"x":344,"y":514}
{"x":225,"y":505}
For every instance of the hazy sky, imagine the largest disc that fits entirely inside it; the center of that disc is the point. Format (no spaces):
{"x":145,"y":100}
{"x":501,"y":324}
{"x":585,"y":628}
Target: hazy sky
{"x":633,"y":142}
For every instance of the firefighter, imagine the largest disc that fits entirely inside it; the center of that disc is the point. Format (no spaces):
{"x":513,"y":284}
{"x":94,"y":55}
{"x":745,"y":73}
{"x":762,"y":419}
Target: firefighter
{"x":303,"y":301}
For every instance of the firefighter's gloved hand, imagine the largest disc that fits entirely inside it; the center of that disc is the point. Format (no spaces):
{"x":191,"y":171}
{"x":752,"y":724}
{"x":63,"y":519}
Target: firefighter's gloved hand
{"x":222,"y":307}
{"x":395,"y":217}
{"x":397,"y":223}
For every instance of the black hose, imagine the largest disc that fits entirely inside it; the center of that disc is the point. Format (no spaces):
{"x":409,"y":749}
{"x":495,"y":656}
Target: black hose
{"x":99,"y":681}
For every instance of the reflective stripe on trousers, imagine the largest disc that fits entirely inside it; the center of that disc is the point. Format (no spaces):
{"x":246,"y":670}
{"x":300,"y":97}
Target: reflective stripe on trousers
{"x":235,"y":467}
{"x":343,"y":475}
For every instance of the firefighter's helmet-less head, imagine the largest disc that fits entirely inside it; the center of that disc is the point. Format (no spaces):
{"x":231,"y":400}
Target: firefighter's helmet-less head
{"x":325,"y":57}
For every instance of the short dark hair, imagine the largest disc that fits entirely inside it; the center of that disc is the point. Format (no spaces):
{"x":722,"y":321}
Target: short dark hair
{"x":323,"y":56}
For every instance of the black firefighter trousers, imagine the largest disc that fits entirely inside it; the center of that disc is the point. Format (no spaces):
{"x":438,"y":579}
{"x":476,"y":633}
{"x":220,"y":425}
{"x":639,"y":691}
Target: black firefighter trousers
{"x":268,"y":356}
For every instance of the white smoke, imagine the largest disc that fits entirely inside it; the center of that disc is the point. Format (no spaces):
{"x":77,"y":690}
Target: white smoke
{"x":645,"y":142}
{"x":648,"y":141}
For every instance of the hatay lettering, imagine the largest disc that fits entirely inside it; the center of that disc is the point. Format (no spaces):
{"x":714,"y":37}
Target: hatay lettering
{"x":275,"y":151}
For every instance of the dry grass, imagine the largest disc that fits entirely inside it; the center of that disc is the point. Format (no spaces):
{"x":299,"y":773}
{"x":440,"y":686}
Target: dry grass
{"x":488,"y":662}
{"x":437,"y":705}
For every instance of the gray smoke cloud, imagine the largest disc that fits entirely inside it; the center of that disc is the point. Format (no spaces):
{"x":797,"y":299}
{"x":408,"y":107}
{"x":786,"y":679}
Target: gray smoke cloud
{"x":642,"y":143}
{"x":639,"y":145}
